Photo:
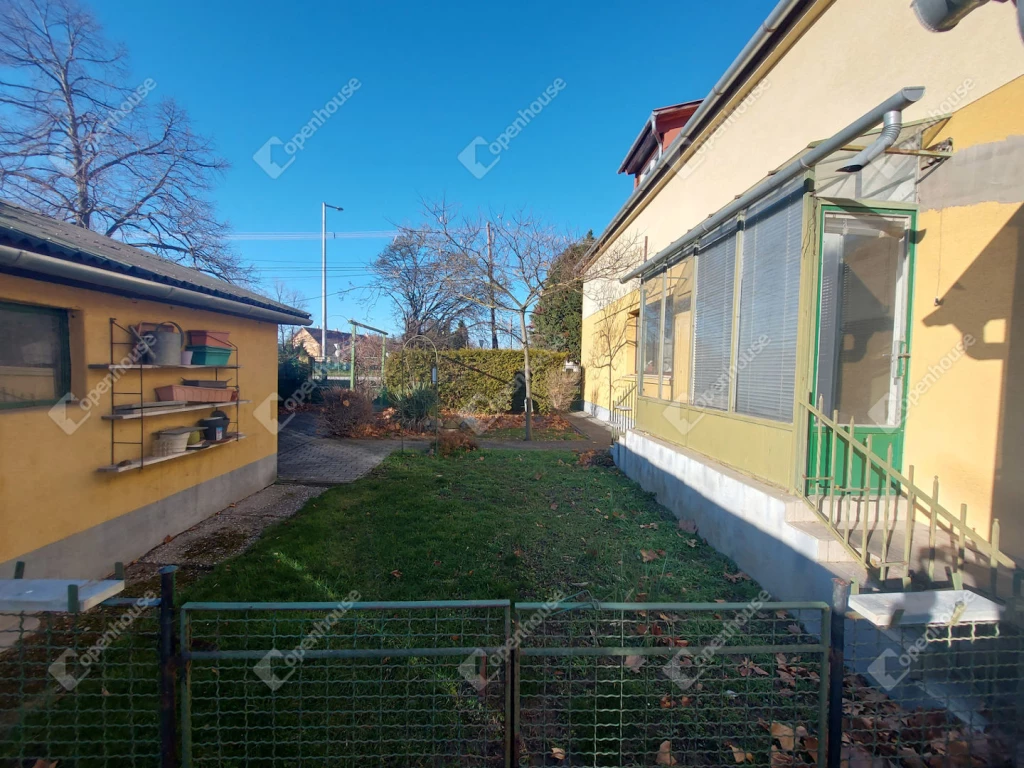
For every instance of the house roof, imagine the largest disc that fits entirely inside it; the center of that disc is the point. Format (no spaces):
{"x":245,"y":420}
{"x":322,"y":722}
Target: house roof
{"x":333,"y":337}
{"x":660,"y":120}
{"x":31,"y":231}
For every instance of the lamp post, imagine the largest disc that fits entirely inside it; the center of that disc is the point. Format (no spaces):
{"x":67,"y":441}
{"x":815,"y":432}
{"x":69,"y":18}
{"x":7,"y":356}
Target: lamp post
{"x":323,"y":285}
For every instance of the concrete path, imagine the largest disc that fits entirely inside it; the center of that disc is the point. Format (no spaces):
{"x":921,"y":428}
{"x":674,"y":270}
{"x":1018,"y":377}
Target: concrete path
{"x":308,"y":458}
{"x":594,"y":436}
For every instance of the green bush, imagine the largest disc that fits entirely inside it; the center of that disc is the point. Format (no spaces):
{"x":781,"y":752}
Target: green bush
{"x":475,"y":380}
{"x":414,"y":405}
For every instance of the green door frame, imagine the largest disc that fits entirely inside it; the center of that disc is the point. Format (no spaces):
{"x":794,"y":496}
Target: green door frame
{"x":883,"y":437}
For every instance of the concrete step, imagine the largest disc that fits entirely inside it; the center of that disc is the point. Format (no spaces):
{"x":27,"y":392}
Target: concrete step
{"x":874,"y":507}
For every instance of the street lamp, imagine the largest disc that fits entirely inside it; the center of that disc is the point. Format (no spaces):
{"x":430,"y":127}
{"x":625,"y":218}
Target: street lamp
{"x":323,"y":284}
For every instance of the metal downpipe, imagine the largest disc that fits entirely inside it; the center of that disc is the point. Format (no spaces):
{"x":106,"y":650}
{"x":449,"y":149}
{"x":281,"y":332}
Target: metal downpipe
{"x":893,"y":124}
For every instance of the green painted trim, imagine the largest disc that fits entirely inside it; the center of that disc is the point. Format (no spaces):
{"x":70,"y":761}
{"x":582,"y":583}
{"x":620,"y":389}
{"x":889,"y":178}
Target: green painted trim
{"x":894,"y":210}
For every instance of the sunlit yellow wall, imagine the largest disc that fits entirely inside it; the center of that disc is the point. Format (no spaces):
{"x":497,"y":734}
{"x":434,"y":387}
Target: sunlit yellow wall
{"x":757,"y":447}
{"x":609,"y":348}
{"x":49,"y":486}
{"x":967,"y":426}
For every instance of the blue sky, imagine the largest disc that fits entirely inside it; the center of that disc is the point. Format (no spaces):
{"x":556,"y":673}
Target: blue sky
{"x":432,"y":77}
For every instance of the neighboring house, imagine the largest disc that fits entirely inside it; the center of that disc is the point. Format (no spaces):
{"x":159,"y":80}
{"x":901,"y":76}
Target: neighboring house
{"x":887,"y":288}
{"x":73,"y":496}
{"x":658,"y":132}
{"x":311,"y":338}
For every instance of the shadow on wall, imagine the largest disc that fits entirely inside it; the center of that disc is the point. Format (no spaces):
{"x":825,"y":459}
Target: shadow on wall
{"x":991,"y":289}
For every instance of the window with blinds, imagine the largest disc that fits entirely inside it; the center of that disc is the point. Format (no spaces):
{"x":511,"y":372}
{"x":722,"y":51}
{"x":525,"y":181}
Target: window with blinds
{"x":712,"y":318}
{"x":769,"y":302}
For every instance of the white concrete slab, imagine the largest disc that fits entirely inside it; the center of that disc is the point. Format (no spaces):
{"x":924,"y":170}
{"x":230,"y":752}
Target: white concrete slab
{"x":39,"y":595}
{"x":933,"y":606}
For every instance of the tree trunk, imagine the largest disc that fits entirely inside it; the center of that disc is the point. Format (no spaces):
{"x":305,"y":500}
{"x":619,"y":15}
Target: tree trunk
{"x":528,"y":406}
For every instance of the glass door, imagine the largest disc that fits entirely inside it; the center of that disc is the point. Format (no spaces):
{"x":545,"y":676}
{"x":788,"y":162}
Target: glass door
{"x":863,"y":332}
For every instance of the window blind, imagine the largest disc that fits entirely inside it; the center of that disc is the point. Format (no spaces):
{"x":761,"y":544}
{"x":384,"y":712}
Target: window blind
{"x":712,"y":318}
{"x":769,"y":303}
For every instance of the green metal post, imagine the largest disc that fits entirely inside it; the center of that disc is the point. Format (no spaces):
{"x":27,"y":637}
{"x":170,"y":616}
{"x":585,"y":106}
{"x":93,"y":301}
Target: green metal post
{"x":352,"y":363}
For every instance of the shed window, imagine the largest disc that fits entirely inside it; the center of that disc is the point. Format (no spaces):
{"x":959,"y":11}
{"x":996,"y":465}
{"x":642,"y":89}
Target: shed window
{"x":35,"y":360}
{"x":712,"y":336}
{"x":769,"y":303}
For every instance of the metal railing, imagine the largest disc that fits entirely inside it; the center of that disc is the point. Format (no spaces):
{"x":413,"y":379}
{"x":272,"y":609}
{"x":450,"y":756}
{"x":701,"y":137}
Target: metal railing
{"x":847,"y":480}
{"x":623,"y":413}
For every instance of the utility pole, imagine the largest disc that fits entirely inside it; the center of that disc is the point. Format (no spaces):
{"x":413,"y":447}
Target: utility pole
{"x":323,"y":285}
{"x":490,"y":287}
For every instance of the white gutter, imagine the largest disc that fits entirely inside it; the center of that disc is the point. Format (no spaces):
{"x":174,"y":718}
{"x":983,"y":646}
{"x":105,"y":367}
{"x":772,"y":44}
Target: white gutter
{"x":884,"y":111}
{"x":685,"y":137}
{"x":47,"y":265}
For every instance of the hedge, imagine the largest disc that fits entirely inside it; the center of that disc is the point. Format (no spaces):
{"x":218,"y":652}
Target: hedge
{"x":476,"y":380}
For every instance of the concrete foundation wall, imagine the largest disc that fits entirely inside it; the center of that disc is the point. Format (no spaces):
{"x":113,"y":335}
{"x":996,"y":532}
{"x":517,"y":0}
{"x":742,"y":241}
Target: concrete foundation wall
{"x":738,"y":516}
{"x":597,"y":411}
{"x":92,"y":553}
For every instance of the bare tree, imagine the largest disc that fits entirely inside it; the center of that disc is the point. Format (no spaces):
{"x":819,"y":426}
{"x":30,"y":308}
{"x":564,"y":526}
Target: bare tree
{"x":411,"y":272}
{"x":80,"y":144}
{"x":286,"y":294}
{"x":518,"y":269}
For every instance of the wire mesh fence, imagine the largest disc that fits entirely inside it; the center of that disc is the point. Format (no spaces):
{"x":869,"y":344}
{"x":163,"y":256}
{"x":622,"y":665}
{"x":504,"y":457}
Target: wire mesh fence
{"x":345,"y":684}
{"x":935,"y":695}
{"x":672,"y":684}
{"x":486,"y":683}
{"x":81,"y":689}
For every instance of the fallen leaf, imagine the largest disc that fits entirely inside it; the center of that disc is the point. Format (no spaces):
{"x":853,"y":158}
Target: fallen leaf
{"x":650,"y":555}
{"x":665,"y":754}
{"x":735,"y":577}
{"x":396,"y":573}
{"x":554,"y":505}
{"x":780,"y":759}
{"x":168,"y":539}
{"x":635,"y":662}
{"x":437,"y":562}
{"x":739,"y":755}
{"x":794,"y":629}
{"x":653,"y":526}
{"x":691,"y":542}
{"x":667,"y":702}
{"x":558,"y":753}
{"x":785,"y":736}
{"x":105,"y":692}
{"x":538,"y":476}
{"x":40,"y":763}
{"x":781,"y":614}
{"x":687,"y":526}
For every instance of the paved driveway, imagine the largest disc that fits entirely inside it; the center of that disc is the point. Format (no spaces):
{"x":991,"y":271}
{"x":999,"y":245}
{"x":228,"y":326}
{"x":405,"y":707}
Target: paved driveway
{"x":305,"y":457}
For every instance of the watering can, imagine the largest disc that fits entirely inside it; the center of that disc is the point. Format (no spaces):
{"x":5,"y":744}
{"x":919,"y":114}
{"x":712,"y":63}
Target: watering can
{"x":161,"y":343}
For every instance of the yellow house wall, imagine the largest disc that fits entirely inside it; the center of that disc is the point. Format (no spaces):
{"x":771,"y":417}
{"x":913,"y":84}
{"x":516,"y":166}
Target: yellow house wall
{"x":608,"y":351}
{"x":967,"y":423}
{"x":49,"y":486}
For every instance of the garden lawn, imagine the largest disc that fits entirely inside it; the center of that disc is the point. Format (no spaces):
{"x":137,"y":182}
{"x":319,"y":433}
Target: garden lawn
{"x":483,"y":525}
{"x":545,"y":428}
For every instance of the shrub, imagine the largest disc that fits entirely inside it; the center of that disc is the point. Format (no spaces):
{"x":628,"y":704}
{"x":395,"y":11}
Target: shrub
{"x":345,"y":412}
{"x":292,"y":372}
{"x":413,"y":406}
{"x":563,"y":386}
{"x":475,"y":380}
{"x":453,"y":443}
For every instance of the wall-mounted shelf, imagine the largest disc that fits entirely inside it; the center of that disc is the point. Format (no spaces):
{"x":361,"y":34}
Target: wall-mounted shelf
{"x":122,"y":338}
{"x":234,"y":437}
{"x":162,"y":411}
{"x":147,"y":367}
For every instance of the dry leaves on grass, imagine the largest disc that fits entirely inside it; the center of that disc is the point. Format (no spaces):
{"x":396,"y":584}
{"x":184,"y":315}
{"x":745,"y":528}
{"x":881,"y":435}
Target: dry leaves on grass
{"x":739,"y":755}
{"x":687,"y":526}
{"x":650,"y":555}
{"x":558,"y":753}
